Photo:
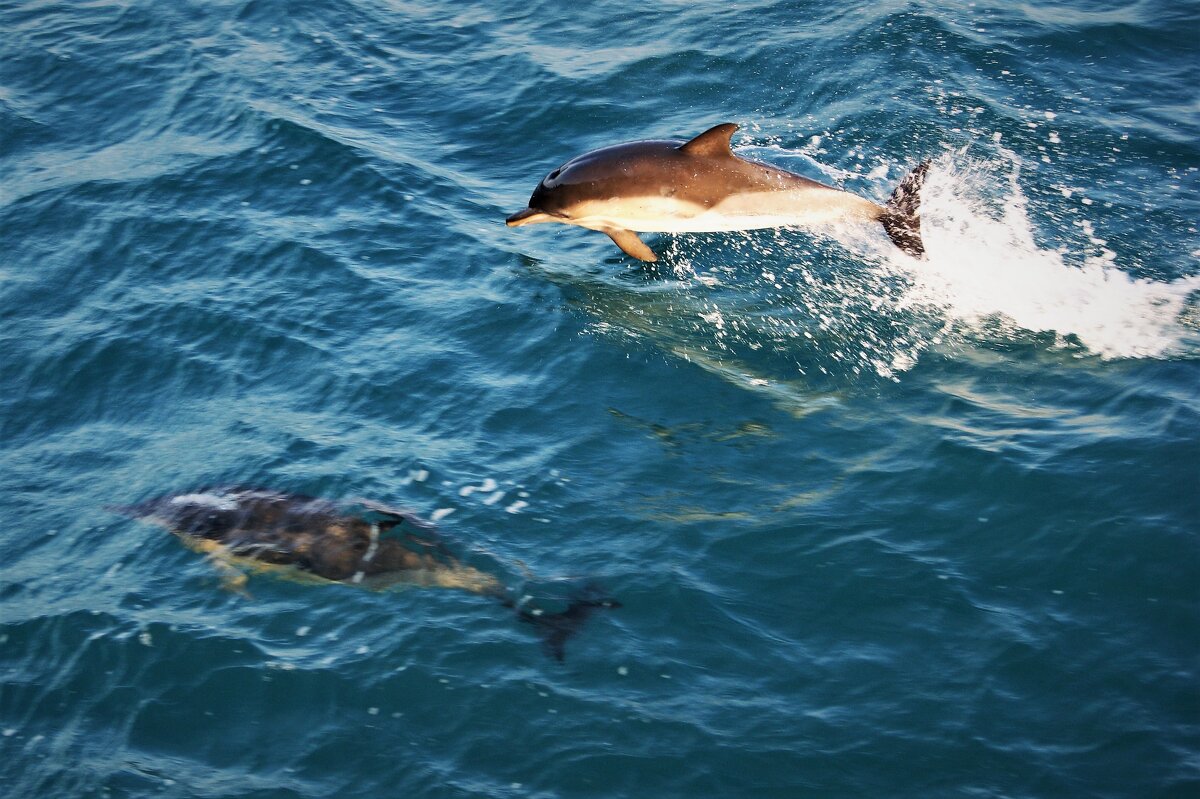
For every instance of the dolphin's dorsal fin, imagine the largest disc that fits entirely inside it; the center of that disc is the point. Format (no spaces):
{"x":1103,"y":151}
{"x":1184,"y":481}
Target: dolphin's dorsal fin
{"x":712,"y":143}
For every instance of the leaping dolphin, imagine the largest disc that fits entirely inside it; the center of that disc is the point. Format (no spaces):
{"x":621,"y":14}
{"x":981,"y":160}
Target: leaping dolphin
{"x":362,"y":542}
{"x":700,"y":186}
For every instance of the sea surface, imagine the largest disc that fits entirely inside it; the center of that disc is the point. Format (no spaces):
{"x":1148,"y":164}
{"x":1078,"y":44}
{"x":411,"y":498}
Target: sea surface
{"x":879,"y":527}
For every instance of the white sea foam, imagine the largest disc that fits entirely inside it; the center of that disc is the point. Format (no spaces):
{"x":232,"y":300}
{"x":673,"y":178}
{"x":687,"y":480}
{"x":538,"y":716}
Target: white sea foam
{"x":789,"y":319}
{"x":982,"y":267}
{"x":208,"y":500}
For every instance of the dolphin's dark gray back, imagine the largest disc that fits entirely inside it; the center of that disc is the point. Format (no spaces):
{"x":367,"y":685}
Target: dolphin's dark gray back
{"x":664,"y":167}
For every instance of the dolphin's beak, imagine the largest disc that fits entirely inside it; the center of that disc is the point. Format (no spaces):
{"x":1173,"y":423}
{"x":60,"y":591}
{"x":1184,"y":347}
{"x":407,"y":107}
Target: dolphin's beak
{"x":528,"y":216}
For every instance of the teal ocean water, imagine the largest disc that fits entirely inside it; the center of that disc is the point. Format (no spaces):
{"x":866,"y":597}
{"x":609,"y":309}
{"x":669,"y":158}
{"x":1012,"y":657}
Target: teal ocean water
{"x":879,"y":527}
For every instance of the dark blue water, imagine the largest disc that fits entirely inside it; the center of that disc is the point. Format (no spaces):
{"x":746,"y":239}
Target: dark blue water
{"x":880,"y":527}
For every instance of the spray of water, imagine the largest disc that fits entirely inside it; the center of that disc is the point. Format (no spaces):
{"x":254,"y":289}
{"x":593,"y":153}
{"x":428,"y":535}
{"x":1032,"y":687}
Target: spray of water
{"x":985,"y":269}
{"x":802,"y":318}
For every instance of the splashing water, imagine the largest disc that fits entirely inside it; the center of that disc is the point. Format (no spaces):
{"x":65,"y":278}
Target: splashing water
{"x":982,"y":269}
{"x":781,"y":313}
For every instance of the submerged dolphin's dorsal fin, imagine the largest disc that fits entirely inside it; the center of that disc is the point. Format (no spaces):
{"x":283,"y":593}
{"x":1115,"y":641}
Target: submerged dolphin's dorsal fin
{"x":712,"y":143}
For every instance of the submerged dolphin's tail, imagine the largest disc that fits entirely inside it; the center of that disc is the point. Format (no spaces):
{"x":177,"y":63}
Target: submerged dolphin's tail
{"x":902,"y":216}
{"x":555,"y":627}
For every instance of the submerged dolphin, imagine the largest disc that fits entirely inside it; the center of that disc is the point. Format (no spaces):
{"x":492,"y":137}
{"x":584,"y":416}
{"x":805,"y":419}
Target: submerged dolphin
{"x":700,"y":186}
{"x":308,"y":538}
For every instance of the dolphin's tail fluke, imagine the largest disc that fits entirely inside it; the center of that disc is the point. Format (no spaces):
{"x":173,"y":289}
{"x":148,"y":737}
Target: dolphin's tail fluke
{"x":902,"y":215}
{"x":555,"y":627}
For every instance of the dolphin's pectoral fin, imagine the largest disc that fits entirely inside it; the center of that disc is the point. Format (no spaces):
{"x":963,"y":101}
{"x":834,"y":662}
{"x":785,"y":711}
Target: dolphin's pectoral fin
{"x":630,"y":244}
{"x":224,"y":561}
{"x":712,"y":143}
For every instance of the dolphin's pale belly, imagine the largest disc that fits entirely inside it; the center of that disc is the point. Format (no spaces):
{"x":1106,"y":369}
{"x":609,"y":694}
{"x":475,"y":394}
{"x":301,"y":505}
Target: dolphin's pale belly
{"x":803,"y":208}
